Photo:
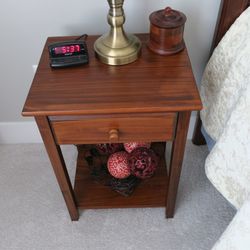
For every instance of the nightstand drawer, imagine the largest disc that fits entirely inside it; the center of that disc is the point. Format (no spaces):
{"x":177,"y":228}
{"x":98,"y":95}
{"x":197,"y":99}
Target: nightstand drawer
{"x":116,"y":128}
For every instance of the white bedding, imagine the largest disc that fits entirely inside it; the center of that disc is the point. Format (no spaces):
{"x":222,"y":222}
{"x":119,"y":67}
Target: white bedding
{"x":226,"y":76}
{"x":236,"y":236}
{"x":228,"y":164}
{"x":225,"y":93}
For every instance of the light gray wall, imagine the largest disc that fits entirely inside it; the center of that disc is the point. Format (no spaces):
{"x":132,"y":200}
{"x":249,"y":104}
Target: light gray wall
{"x":25,"y":25}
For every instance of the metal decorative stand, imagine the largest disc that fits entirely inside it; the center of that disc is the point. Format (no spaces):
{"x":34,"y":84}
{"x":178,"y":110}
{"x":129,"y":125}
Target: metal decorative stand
{"x":117,"y":47}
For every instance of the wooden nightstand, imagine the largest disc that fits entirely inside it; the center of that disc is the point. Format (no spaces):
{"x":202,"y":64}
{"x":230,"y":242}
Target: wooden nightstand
{"x":148,"y":100}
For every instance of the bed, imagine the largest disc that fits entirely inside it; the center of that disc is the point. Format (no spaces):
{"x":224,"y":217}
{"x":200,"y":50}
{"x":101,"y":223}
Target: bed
{"x":225,"y":93}
{"x":229,"y":11}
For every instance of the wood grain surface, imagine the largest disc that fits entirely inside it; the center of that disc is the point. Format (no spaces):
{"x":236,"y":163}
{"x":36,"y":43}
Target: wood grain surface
{"x":97,"y":129}
{"x":59,"y":167}
{"x":148,"y":100}
{"x":177,"y":154}
{"x":153,"y":83}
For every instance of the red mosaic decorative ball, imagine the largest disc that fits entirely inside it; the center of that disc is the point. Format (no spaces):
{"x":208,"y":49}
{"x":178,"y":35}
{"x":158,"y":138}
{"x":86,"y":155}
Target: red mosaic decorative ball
{"x":118,"y":165}
{"x":108,"y":148}
{"x":130,"y":146}
{"x":143,"y":162}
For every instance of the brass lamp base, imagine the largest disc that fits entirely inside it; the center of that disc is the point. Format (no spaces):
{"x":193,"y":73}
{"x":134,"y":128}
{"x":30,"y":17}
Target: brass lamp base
{"x":116,"y":47}
{"x":118,"y":56}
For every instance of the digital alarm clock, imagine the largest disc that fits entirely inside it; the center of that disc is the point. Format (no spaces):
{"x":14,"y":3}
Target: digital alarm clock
{"x":69,"y":53}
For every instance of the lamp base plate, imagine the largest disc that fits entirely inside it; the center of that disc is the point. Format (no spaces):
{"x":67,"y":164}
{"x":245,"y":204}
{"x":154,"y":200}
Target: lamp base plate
{"x":116,"y":55}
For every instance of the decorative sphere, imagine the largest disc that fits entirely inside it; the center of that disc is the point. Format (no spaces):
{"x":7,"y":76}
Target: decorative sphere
{"x":118,"y":165}
{"x":108,"y":148}
{"x":130,"y":146}
{"x":143,"y":162}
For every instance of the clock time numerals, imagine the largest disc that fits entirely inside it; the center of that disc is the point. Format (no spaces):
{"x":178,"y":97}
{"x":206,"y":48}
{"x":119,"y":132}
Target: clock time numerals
{"x":67,"y":49}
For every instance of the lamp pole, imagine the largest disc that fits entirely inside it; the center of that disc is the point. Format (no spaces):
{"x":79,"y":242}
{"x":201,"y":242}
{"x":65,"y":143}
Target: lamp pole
{"x":116,"y":47}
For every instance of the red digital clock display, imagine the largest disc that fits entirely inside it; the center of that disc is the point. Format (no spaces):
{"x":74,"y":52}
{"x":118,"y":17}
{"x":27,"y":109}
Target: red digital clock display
{"x":68,"y":53}
{"x":67,"y":49}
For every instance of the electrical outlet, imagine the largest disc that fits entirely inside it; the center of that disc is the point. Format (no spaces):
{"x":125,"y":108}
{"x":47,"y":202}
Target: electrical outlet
{"x":34,"y":67}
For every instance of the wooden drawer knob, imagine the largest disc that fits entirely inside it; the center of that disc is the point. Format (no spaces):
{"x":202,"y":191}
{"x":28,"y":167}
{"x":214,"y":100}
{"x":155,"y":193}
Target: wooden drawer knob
{"x":113,"y":135}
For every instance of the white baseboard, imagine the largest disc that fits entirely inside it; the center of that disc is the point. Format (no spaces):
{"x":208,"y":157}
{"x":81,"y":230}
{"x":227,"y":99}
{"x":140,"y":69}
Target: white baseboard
{"x":27,"y":132}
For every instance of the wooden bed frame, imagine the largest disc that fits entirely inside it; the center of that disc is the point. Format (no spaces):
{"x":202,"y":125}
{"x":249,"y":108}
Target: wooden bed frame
{"x":229,"y":11}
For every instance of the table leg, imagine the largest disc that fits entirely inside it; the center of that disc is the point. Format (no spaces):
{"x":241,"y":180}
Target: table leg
{"x":177,"y":154}
{"x":58,"y":164}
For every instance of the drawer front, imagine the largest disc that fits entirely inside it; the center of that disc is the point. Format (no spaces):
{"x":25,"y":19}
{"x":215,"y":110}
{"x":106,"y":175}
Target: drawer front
{"x":118,"y":128}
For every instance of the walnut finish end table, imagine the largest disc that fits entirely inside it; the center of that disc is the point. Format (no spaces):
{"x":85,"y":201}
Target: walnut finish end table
{"x":148,"y":100}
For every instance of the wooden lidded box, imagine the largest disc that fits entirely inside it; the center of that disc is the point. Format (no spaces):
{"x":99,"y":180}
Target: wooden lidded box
{"x":166,"y":31}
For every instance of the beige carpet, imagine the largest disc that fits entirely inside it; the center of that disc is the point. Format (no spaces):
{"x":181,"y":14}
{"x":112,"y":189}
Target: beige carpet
{"x":33,"y":214}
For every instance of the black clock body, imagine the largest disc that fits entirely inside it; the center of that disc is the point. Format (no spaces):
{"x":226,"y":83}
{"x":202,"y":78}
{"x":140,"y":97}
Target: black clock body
{"x":69,"y":53}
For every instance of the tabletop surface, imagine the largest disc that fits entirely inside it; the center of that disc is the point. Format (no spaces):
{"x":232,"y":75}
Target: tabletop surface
{"x":153,"y":83}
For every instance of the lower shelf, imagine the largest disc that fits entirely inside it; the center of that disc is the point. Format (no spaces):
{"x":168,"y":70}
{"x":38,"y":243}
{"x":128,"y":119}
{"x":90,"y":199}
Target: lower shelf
{"x":149,"y":193}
